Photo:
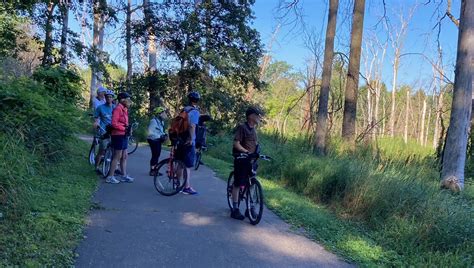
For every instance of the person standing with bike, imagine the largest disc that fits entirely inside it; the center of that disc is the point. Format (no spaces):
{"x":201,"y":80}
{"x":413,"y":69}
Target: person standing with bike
{"x":103,"y":118}
{"x":100,"y":98}
{"x":119,"y":139}
{"x":156,"y":136}
{"x":245,"y":141}
{"x":186,"y":152}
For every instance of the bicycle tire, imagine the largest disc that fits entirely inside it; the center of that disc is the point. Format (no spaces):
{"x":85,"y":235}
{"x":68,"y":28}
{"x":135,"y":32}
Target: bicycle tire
{"x":107,"y":161}
{"x":165,"y":184}
{"x":132,"y":144}
{"x":92,"y":152}
{"x":254,"y":200}
{"x":198,"y":160}
{"x":230,"y":184}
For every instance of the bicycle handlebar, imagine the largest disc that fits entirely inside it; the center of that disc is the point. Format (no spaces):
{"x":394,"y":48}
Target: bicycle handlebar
{"x":253,"y":155}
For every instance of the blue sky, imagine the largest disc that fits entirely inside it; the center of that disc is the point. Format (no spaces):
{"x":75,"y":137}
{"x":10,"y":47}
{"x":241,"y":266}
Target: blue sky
{"x":420,"y":38}
{"x":289,"y":45}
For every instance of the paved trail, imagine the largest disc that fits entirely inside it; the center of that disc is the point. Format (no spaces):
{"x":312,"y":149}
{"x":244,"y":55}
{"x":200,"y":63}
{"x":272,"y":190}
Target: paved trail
{"x":134,"y":226}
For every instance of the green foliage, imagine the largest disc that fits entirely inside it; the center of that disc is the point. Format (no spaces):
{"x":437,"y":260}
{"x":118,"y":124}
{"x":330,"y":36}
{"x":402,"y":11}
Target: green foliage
{"x":391,"y":189}
{"x":30,"y":113}
{"x":9,"y":31}
{"x":60,"y":83}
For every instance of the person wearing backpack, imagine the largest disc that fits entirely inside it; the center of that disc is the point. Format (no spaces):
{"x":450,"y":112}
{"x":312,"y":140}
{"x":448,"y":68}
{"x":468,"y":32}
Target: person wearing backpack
{"x":183,"y":128}
{"x":103,"y":119}
{"x":156,"y":136}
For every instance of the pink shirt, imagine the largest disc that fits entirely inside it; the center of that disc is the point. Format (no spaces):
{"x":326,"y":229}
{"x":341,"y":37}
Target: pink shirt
{"x":119,"y":120}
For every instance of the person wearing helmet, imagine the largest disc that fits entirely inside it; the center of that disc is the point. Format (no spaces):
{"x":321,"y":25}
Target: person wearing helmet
{"x":103,"y":118}
{"x":187,"y":152}
{"x":245,"y":141}
{"x":99,"y":99}
{"x":119,"y":139}
{"x":156,"y":136}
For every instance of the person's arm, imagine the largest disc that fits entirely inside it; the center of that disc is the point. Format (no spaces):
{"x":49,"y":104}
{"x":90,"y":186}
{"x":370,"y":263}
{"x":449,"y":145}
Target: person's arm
{"x":115,"y":120}
{"x":194,"y":119}
{"x":96,"y":118}
{"x":239,"y":147}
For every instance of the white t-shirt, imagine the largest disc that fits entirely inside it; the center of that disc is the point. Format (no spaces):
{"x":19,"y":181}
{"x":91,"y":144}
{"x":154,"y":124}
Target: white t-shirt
{"x":96,"y":102}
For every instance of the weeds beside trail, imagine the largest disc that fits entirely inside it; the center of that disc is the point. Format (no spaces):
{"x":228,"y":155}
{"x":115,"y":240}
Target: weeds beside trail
{"x":46,"y":183}
{"x":382,"y":208}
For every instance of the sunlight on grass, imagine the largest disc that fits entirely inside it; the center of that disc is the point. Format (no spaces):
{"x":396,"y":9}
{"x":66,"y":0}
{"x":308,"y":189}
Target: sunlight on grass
{"x":361,"y":248}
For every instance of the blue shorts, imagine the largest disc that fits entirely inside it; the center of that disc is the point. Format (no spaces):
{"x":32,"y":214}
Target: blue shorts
{"x":186,"y":154}
{"x":119,"y":142}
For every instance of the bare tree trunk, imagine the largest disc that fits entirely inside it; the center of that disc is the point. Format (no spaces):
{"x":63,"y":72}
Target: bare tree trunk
{"x":97,"y":46}
{"x":439,"y":107}
{"x":64,"y":31}
{"x":383,"y":115}
{"x":422,"y":125}
{"x":425,"y":141}
{"x":350,"y":102}
{"x":321,"y":123}
{"x":454,"y":156}
{"x":128,"y":43}
{"x":407,"y":113}
{"x":396,"y":62}
{"x":48,"y":41}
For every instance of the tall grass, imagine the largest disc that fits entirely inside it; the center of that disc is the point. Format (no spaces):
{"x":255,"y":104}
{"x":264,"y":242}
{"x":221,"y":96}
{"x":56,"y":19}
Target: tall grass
{"x":391,"y":187}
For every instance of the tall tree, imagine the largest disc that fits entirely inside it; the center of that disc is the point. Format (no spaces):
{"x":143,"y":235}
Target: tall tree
{"x":48,"y":29}
{"x":128,"y":42}
{"x":352,"y":84}
{"x":64,"y":8}
{"x":99,"y":7}
{"x":454,"y":156}
{"x":322,"y":115}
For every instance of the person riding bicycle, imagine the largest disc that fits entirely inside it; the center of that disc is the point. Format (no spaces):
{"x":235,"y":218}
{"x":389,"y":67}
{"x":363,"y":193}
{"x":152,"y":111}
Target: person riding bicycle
{"x":156,"y":136}
{"x":245,"y":141}
{"x":119,"y":139}
{"x":187,"y":152}
{"x":100,"y":98}
{"x":103,"y":118}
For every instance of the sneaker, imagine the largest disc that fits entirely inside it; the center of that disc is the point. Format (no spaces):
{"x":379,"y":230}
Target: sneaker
{"x":152,"y":172}
{"x":112,"y":180}
{"x":190,"y":191}
{"x":126,"y":179}
{"x":235,"y":214}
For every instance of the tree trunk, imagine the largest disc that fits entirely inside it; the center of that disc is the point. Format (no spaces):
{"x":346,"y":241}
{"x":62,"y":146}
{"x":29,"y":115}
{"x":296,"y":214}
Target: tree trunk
{"x":97,"y":46}
{"x":407,"y":113}
{"x":322,"y":115}
{"x":454,"y":156}
{"x":350,"y":102}
{"x":425,"y":141}
{"x":423,"y":115}
{"x":396,"y":63}
{"x":128,"y":43}
{"x":439,"y":110}
{"x":48,"y":29}
{"x":383,"y":115}
{"x":64,"y":32}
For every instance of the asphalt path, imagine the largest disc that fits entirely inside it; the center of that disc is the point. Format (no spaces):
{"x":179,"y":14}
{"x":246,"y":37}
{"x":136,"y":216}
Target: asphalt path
{"x":132,"y":225}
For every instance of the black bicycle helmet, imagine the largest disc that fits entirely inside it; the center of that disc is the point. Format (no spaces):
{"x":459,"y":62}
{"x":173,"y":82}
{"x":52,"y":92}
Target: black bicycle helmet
{"x":123,"y":95}
{"x":253,"y":110}
{"x":194,"y":96}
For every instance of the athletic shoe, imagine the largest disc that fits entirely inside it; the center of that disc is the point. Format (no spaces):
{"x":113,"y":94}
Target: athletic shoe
{"x":112,"y":180}
{"x":126,"y":179}
{"x":235,"y":214}
{"x":190,"y":191}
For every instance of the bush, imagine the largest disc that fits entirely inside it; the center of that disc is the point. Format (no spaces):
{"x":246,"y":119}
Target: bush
{"x":62,"y":83}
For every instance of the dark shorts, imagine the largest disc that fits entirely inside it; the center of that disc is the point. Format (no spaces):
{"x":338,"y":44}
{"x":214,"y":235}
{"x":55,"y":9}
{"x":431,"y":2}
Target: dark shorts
{"x":119,"y":142}
{"x":186,"y":154}
{"x":242,"y":171}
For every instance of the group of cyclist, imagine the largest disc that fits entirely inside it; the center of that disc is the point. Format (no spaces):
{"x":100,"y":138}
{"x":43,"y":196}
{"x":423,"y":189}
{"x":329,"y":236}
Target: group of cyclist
{"x":112,"y":119}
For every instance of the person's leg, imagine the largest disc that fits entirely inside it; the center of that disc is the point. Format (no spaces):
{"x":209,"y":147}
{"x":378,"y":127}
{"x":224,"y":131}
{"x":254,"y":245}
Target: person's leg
{"x":123,"y":162}
{"x":98,"y":157}
{"x":110,"y":177}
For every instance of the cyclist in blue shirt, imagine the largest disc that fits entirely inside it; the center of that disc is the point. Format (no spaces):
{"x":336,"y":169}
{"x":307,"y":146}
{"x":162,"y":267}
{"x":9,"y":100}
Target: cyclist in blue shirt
{"x":103,"y":118}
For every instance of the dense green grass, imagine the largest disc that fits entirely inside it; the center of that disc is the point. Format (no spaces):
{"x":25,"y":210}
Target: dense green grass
{"x":46,"y":220}
{"x":375,"y":205}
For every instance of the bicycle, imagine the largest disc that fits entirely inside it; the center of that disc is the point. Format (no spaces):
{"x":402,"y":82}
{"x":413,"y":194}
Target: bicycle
{"x":132,"y":142}
{"x":199,"y":152}
{"x":170,"y":176}
{"x":94,"y":147}
{"x":107,"y":159}
{"x":251,"y":192}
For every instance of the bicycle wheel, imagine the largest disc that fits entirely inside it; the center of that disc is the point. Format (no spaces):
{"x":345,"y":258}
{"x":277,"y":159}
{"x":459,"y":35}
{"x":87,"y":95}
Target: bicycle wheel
{"x":254,"y":202}
{"x":132,"y":145}
{"x":93,"y":151}
{"x":198,"y":160}
{"x":230,"y":184}
{"x":107,"y":161}
{"x":170,"y":177}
